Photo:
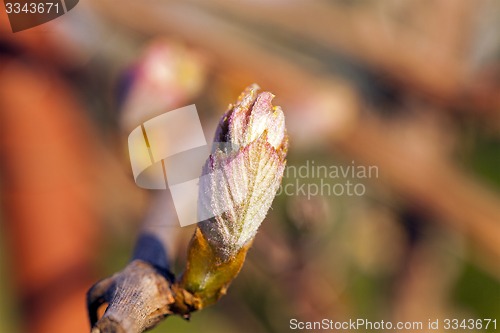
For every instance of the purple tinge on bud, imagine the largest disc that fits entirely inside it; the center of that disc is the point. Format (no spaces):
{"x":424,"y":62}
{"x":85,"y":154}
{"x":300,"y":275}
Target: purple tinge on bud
{"x":240,"y":183}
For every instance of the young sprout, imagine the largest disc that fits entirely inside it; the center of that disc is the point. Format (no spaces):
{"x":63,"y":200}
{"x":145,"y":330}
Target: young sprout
{"x":239,"y":183}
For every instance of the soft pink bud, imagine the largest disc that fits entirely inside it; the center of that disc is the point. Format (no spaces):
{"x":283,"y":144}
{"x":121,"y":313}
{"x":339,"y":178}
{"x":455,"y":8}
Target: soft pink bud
{"x":245,"y":171}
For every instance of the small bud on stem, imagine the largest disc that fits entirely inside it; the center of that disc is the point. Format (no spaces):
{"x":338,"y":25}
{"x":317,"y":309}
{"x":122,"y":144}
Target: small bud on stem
{"x":239,"y":183}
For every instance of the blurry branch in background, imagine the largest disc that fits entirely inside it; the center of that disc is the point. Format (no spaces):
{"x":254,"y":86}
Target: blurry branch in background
{"x":239,"y":183}
{"x":440,"y":69}
{"x":399,"y":40}
{"x":430,"y":49}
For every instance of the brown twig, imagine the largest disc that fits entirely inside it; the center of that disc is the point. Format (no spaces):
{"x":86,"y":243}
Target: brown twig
{"x":139,"y":297}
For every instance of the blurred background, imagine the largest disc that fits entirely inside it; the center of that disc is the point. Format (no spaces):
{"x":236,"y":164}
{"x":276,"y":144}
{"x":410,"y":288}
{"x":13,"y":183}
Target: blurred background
{"x":410,"y":88}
